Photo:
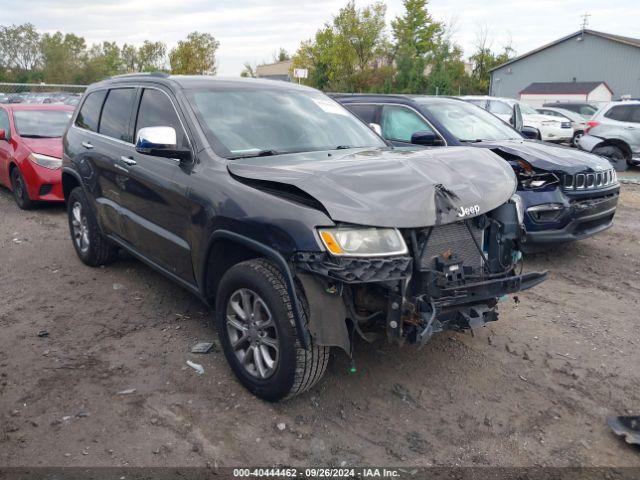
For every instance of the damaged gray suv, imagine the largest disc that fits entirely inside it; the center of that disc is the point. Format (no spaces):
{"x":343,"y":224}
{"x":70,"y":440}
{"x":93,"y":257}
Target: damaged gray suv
{"x":290,"y":217}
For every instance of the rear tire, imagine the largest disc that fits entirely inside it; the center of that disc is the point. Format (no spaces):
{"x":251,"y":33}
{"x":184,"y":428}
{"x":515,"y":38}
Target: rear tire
{"x":615,"y":155}
{"x":254,"y":314}
{"x":20,"y":191}
{"x":575,"y":141}
{"x":91,"y":246}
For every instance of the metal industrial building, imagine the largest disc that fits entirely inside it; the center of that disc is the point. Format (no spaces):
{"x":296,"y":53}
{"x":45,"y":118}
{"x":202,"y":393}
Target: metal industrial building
{"x":583,"y":56}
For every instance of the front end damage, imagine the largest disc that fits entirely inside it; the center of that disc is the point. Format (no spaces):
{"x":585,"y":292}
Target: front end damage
{"x":451,"y":278}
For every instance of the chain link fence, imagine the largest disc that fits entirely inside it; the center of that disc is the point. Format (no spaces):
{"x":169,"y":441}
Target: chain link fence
{"x":40,"y":93}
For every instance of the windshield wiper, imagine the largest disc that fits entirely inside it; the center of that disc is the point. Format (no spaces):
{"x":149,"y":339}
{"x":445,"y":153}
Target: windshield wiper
{"x":477,"y":140}
{"x":261,"y":153}
{"x":27,"y":135}
{"x":343,"y":147}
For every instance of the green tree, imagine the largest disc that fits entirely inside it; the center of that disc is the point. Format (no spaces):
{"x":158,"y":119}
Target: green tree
{"x":19,"y":47}
{"x":102,"y":61}
{"x":349,"y":53}
{"x":149,"y":57}
{"x":281,"y":56}
{"x":195,"y":55}
{"x":63,"y":57}
{"x":416,"y":36}
{"x":484,"y":59}
{"x":248,"y":71}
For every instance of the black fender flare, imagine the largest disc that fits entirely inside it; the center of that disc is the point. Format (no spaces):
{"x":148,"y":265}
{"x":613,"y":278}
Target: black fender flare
{"x":73,"y":173}
{"x":280,"y":262}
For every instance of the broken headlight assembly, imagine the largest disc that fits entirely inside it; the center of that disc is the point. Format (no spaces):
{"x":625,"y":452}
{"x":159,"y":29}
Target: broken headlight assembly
{"x":530,"y":179}
{"x":346,"y":241}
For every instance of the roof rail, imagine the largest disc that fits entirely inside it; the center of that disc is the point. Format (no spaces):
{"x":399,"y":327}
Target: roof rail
{"x":142,"y":74}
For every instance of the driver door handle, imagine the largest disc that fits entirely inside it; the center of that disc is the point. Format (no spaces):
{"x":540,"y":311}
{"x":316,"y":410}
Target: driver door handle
{"x":128,"y":160}
{"x":87,"y":145}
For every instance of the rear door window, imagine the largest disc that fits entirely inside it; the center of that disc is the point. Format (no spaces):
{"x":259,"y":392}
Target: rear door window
{"x":89,"y":114}
{"x":400,"y":123}
{"x":156,"y":110}
{"x":116,"y":114}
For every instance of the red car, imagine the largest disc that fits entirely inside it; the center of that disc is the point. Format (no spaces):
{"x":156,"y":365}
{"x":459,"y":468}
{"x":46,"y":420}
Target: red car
{"x":31,"y":151}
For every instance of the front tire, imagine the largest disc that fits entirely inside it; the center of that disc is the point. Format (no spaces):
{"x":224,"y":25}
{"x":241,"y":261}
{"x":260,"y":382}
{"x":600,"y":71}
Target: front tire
{"x":20,"y":192}
{"x":615,"y":155}
{"x":91,"y":246}
{"x":257,"y":331}
{"x":575,"y":141}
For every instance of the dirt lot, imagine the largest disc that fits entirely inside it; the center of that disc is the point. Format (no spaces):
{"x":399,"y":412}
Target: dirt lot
{"x":531,"y":389}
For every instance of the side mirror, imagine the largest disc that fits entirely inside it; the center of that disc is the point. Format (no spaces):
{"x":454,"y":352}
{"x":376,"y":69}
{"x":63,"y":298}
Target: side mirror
{"x":530,"y":133}
{"x":516,"y":118}
{"x":427,"y":139}
{"x":376,"y":128}
{"x":3,"y":134}
{"x":160,"y":142}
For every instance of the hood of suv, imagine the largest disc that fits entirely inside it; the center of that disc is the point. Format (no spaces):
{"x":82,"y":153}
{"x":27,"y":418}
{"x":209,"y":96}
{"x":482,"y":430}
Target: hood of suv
{"x":545,"y":156}
{"x":390,"y":188}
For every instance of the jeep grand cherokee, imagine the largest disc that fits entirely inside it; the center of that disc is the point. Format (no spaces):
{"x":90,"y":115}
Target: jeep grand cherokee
{"x":293,"y":219}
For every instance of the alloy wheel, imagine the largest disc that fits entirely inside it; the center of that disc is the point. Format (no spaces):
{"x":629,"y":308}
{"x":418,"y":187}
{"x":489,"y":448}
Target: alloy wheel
{"x":80,"y":228}
{"x":252,"y":333}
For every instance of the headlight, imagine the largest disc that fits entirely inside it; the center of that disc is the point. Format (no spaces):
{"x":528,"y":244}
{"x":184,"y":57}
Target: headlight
{"x":363,"y":241}
{"x":517,"y":201}
{"x":45,"y":161}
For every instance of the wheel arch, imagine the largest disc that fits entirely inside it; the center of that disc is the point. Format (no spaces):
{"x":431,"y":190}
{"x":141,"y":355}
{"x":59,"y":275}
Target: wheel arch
{"x":616,"y":142}
{"x":226,"y":248}
{"x":70,"y":180}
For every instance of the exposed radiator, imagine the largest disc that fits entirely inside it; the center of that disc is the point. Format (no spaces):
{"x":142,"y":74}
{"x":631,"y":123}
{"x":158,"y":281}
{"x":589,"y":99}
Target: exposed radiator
{"x":456,"y":238}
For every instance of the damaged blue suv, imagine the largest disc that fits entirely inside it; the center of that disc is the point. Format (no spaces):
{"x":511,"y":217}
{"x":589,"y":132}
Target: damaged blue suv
{"x":567,"y":194}
{"x":293,"y":220}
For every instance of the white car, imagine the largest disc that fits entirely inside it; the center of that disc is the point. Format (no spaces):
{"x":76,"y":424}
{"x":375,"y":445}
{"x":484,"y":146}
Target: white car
{"x":614,"y":132}
{"x":578,"y":122}
{"x":552,"y":129}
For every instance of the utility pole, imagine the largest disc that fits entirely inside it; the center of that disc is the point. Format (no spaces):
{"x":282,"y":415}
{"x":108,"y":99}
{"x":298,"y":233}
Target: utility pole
{"x":585,"y":20}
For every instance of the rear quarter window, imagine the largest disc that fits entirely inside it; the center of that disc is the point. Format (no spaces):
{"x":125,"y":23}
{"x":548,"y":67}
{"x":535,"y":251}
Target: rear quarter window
{"x":89,"y":114}
{"x":619,"y":113}
{"x":366,"y":113}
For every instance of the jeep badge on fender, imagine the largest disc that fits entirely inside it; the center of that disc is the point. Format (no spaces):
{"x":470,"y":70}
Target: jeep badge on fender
{"x":473,"y":210}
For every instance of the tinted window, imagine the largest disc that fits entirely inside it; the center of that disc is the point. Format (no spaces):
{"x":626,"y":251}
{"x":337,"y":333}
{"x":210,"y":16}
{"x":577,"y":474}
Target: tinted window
{"x":587,"y":110}
{"x":4,"y":123}
{"x":619,"y":113}
{"x":635,"y":113}
{"x":156,"y":110}
{"x":89,"y":114}
{"x":399,"y":123}
{"x":499,"y":108}
{"x":367,"y":113}
{"x":116,"y":112}
{"x":41,"y":123}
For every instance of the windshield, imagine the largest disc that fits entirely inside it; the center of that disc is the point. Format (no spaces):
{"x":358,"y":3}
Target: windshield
{"x":469,"y":123}
{"x":527,"y":109}
{"x":41,"y":123}
{"x":249,"y":122}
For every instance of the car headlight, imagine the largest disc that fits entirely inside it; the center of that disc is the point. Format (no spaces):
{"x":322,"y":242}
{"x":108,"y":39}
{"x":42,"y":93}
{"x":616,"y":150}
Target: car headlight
{"x":517,"y":201}
{"x":363,"y":241}
{"x":46,"y":161}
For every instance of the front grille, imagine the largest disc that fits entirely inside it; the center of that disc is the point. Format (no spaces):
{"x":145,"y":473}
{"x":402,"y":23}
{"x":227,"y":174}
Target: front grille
{"x":590,"y":181}
{"x":454,"y":237}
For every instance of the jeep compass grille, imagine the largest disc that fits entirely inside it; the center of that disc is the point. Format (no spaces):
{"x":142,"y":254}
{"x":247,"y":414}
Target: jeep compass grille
{"x":590,"y":181}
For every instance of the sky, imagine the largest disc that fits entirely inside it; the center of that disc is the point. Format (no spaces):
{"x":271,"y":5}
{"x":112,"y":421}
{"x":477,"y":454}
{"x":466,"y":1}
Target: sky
{"x":253,"y":30}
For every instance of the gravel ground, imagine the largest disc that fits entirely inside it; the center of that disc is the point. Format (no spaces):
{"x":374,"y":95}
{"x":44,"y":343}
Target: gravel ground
{"x":531,"y":389}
